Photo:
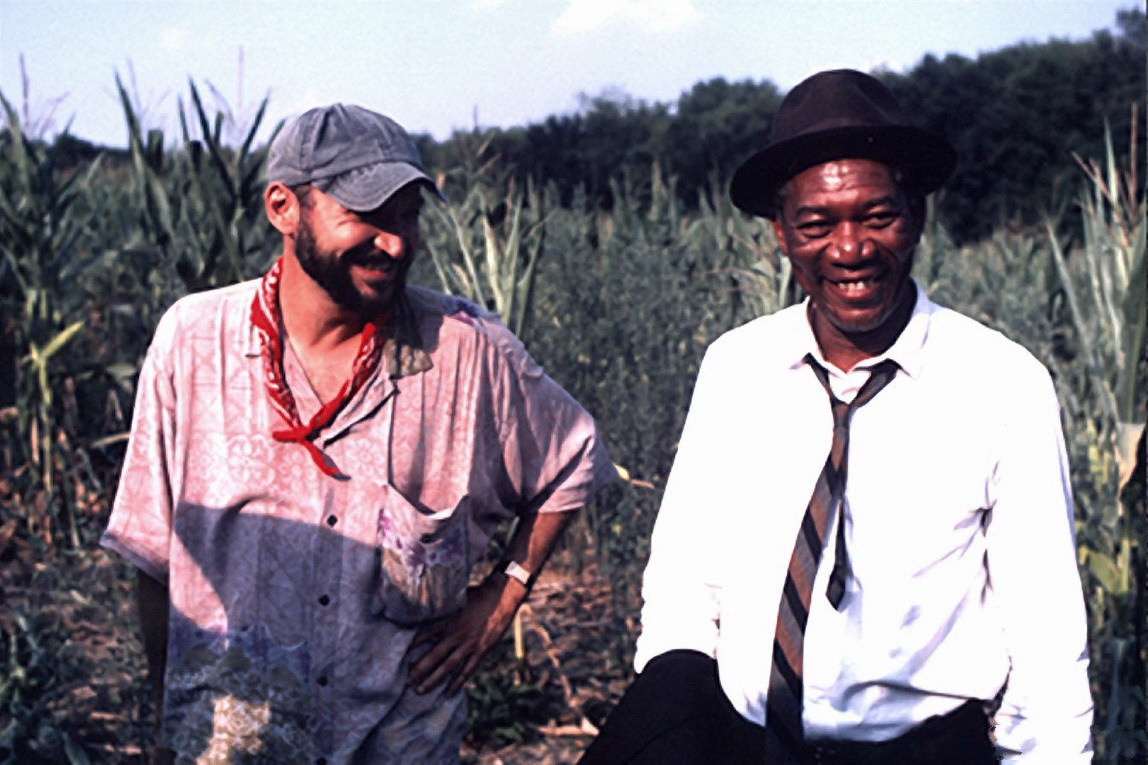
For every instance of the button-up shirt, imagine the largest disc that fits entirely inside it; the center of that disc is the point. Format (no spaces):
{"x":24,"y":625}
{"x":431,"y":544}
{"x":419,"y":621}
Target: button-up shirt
{"x":958,"y":525}
{"x":295,"y":595}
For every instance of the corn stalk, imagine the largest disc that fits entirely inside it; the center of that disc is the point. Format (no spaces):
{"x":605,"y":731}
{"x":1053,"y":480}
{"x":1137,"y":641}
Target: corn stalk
{"x":496,"y":240}
{"x":1104,"y":285}
{"x":200,"y":206}
{"x":43,"y":258}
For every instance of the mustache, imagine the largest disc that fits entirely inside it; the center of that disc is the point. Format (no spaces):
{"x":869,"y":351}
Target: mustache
{"x":373,"y":258}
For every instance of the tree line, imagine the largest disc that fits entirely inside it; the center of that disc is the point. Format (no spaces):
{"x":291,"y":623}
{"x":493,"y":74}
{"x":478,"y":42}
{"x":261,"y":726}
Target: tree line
{"x":1017,"y":115}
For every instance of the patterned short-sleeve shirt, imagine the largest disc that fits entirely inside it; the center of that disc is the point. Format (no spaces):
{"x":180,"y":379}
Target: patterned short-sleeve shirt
{"x":294,"y":594}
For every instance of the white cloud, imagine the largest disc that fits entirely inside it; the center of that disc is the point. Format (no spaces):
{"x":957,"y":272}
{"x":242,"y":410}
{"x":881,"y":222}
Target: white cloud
{"x":582,"y":16}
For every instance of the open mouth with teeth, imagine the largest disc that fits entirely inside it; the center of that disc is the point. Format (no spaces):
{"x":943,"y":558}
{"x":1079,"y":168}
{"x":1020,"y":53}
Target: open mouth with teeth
{"x":856,"y":285}
{"x":856,"y":289}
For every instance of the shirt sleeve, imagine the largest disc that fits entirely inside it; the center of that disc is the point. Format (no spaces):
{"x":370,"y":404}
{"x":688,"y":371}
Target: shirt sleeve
{"x":1046,"y":711}
{"x":680,"y":586}
{"x":139,"y":528}
{"x":551,"y":450}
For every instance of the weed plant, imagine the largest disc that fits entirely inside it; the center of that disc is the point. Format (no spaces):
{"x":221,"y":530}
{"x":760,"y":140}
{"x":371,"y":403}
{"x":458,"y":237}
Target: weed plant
{"x":618,"y":304}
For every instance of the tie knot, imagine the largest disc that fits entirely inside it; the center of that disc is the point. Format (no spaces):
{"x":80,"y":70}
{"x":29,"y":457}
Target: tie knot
{"x":880,"y":376}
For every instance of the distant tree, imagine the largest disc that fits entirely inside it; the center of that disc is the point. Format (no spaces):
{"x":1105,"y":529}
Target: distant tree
{"x":715,"y":126}
{"x":612,"y":137}
{"x":621,"y":139}
{"x":1017,"y":116}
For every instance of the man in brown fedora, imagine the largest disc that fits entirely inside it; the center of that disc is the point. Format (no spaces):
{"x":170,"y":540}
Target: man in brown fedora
{"x":864,"y":553}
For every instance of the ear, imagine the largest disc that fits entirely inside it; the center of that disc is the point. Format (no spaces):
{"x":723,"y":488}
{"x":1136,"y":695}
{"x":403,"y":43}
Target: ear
{"x":282,"y":207}
{"x":779,"y":235}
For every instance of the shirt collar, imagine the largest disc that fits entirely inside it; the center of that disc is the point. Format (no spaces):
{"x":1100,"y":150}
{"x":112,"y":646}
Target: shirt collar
{"x":404,"y":353}
{"x":907,"y":350}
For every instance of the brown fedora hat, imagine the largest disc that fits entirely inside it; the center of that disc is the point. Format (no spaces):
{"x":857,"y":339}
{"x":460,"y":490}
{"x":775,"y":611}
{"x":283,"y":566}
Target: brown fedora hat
{"x":839,"y":114}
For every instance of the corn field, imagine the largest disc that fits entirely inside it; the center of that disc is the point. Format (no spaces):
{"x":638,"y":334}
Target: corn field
{"x":618,"y":305}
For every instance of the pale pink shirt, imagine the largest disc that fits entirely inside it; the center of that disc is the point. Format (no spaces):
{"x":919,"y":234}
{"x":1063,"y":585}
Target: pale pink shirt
{"x":295,"y":595}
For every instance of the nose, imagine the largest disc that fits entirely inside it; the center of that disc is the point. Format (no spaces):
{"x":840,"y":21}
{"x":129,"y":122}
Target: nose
{"x":391,"y":243}
{"x":851,"y":245}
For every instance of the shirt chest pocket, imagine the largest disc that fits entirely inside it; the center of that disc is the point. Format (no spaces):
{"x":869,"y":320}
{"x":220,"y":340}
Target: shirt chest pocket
{"x":421,"y":556}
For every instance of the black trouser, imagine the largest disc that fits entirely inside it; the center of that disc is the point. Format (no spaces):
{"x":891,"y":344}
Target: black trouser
{"x":675,"y":713}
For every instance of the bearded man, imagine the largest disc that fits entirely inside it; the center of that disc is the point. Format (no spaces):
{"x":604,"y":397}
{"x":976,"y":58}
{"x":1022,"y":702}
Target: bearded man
{"x":318,"y":460}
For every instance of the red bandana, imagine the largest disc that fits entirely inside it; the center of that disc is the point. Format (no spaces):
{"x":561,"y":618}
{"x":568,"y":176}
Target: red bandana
{"x":265,"y":317}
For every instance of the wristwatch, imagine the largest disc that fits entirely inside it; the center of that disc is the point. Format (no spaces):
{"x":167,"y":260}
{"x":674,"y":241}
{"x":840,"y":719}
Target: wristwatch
{"x":516,"y":570}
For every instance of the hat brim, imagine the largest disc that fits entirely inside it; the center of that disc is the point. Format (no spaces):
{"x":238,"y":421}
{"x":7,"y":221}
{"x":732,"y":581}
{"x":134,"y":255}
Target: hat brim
{"x":368,"y":188}
{"x":927,"y":156}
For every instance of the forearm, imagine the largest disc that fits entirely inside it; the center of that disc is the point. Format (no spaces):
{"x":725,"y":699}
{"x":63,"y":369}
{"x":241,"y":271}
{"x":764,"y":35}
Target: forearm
{"x":153,"y":603}
{"x":534,"y":539}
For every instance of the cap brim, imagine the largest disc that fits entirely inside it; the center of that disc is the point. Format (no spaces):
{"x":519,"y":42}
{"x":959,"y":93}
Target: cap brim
{"x":928,"y":156}
{"x":368,"y":188}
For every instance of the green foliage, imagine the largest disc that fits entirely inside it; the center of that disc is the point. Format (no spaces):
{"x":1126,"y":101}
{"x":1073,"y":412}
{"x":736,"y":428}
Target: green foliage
{"x":1104,"y":286}
{"x":494,"y":241}
{"x":716,"y":125}
{"x":41,"y":230}
{"x":32,"y":682}
{"x":60,"y":683}
{"x":616,"y":288}
{"x":501,"y":709}
{"x":1015,"y":115}
{"x":200,"y":207}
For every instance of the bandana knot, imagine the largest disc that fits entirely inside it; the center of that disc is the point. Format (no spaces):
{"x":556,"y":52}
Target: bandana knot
{"x":266,"y":317}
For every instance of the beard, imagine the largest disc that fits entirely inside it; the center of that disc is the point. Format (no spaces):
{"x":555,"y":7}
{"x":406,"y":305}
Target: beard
{"x":333,"y":274}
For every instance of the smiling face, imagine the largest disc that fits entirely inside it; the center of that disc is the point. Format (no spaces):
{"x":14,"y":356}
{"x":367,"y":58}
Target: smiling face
{"x":360,"y":259}
{"x":850,"y":231}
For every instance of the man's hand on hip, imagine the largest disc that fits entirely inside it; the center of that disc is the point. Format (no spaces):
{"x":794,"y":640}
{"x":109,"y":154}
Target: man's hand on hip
{"x":460,"y":642}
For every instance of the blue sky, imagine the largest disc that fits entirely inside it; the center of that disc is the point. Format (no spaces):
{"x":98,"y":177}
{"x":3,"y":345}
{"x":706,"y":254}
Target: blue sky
{"x":439,"y":65}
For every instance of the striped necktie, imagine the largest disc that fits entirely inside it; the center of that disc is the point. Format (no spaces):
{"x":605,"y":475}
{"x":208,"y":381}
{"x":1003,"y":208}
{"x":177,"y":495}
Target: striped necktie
{"x":783,"y":725}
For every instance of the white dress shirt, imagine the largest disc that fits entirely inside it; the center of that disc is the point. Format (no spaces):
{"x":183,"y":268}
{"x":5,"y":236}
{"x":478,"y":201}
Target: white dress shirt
{"x":959,"y":529}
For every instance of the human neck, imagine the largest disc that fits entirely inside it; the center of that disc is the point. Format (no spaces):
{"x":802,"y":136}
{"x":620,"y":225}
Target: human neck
{"x":846,"y":350}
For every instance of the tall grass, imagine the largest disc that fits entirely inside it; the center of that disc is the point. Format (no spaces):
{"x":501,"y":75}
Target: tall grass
{"x":617,"y":304}
{"x":41,"y":223}
{"x":1104,"y":285}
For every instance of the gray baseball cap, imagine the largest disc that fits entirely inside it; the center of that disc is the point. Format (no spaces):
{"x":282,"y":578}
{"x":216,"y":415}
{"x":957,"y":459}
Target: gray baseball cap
{"x":358,"y":157}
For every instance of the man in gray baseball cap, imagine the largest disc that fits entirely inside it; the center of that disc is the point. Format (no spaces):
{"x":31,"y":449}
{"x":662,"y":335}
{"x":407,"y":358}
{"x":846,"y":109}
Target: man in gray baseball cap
{"x":319,"y":459}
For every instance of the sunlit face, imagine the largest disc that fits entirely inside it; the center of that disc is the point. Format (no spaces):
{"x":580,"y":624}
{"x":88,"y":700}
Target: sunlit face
{"x":850,"y":232}
{"x":360,"y":259}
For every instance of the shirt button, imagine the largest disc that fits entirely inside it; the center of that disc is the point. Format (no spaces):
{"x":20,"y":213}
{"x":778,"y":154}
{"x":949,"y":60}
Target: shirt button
{"x":323,"y":681}
{"x":332,"y":520}
{"x":324,"y":600}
